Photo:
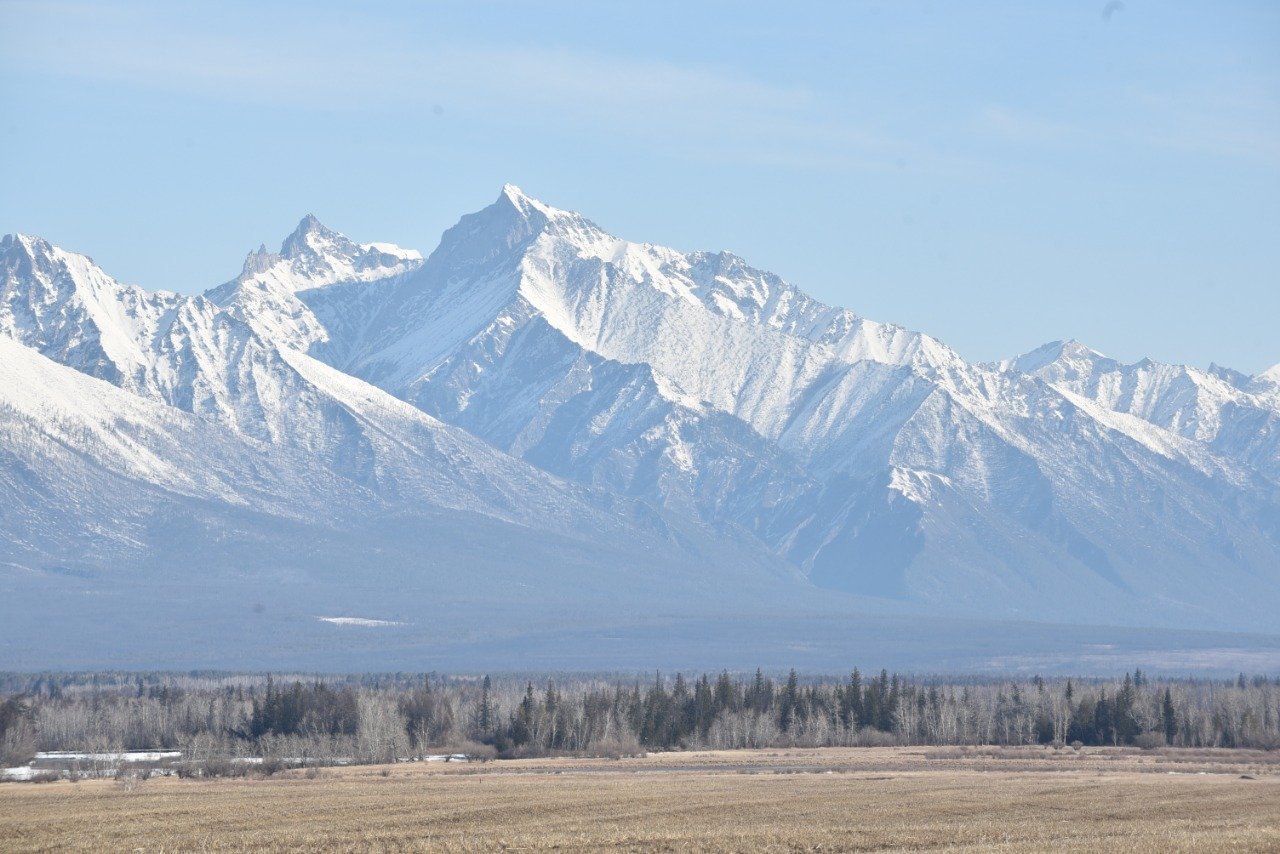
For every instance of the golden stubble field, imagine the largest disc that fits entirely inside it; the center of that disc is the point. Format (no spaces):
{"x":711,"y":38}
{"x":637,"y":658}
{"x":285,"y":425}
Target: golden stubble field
{"x":773,"y":800}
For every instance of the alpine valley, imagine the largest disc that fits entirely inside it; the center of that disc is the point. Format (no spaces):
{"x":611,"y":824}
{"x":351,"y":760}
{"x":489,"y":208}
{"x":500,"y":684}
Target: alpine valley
{"x":542,"y":446}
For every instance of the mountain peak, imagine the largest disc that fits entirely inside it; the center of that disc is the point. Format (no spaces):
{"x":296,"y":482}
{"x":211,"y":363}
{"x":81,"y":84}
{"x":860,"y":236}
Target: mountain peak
{"x":25,"y":254}
{"x":526,"y":204}
{"x":28,"y":244}
{"x":1048,"y":354}
{"x":1229,"y":375}
{"x":258,"y":261}
{"x":508,"y":222}
{"x":304,"y":238}
{"x":1073,"y":349}
{"x":314,"y":256}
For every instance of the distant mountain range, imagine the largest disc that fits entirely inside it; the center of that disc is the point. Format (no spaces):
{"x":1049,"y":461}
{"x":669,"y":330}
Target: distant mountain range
{"x":543,"y":426}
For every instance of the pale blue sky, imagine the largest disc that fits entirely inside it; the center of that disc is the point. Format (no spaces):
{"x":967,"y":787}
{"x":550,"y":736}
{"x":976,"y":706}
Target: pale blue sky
{"x":996,"y":174}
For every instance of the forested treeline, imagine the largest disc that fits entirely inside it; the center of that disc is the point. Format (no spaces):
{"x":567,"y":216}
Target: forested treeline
{"x":383,"y":717}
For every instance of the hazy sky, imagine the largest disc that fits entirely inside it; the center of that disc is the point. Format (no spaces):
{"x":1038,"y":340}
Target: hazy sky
{"x":996,"y":174}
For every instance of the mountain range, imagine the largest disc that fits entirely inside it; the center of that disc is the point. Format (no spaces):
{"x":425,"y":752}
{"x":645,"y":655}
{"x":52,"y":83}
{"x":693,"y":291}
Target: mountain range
{"x":541,"y":430}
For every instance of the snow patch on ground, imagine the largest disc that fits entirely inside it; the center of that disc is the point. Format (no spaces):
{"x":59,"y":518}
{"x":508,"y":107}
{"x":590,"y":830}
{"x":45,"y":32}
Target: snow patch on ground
{"x":126,"y":756}
{"x":20,"y":774}
{"x":358,"y":621}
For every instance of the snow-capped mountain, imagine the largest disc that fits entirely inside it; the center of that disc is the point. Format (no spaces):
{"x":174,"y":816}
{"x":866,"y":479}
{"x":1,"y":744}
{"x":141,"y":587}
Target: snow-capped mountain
{"x":873,"y":458}
{"x":318,"y":445}
{"x":1233,"y":414}
{"x":538,"y":372}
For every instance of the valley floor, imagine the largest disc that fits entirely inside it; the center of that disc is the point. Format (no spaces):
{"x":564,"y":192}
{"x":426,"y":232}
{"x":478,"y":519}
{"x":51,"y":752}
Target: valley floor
{"x":827,"y":799}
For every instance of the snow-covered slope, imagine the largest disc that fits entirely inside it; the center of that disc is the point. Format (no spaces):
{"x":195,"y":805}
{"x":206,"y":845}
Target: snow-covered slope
{"x":68,"y":308}
{"x":873,"y":458}
{"x":1230,"y":413}
{"x":266,"y":294}
{"x":133,"y":534}
{"x":538,"y":372}
{"x":330,"y":446}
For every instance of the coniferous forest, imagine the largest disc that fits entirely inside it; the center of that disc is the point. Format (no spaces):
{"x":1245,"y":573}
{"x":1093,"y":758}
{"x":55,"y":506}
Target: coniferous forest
{"x":214,"y":717}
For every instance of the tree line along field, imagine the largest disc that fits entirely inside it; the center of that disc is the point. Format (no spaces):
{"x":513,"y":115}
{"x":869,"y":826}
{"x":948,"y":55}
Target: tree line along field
{"x":213,"y":718}
{"x":724,"y":762}
{"x":1032,"y":798}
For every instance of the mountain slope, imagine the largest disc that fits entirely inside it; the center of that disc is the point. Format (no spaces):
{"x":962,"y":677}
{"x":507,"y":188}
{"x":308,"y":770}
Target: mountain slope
{"x":133,"y":534}
{"x":1233,"y":415}
{"x":873,"y":458}
{"x":541,"y":413}
{"x":117,"y":506}
{"x":340,"y":446}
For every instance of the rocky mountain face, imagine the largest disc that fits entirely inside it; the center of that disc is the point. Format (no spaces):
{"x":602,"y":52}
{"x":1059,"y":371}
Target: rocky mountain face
{"x":712,"y":425}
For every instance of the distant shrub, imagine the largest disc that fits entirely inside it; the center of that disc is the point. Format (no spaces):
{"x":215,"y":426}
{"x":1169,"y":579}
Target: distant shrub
{"x":473,"y":750}
{"x":18,"y":743}
{"x":217,"y":766}
{"x":1268,"y":741}
{"x":945,"y":754}
{"x":130,"y":779}
{"x":524,"y":751}
{"x":870,"y":737}
{"x":223,"y":766}
{"x":1149,"y":740}
{"x":618,"y":748}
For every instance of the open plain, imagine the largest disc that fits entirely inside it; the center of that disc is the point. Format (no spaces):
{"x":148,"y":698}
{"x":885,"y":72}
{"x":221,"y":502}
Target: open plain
{"x":833,"y":799}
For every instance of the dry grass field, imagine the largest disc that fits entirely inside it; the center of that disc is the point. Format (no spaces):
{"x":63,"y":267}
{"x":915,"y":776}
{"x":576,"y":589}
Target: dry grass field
{"x":775,"y":800}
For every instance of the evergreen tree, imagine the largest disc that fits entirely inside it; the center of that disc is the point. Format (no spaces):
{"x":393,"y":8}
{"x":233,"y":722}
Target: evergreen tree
{"x":726,"y":695}
{"x":852,"y":713}
{"x":704,"y":707}
{"x":1103,"y":729}
{"x":484,"y":715}
{"x":1168,"y":717}
{"x":887,"y":709}
{"x":759,"y":696}
{"x":523,"y":719}
{"x":788,"y":703}
{"x":1123,"y":719}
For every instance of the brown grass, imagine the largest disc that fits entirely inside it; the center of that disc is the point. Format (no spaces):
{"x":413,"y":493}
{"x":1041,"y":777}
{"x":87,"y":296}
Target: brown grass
{"x":813,"y":800}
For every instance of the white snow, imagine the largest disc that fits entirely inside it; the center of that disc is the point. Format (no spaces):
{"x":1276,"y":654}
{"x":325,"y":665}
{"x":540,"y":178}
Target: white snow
{"x":392,"y":249}
{"x":18,"y":774}
{"x":358,"y":621}
{"x":336,"y":382}
{"x":126,"y":756}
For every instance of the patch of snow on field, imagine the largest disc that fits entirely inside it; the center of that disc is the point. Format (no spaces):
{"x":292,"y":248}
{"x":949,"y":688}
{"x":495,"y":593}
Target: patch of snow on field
{"x":21,"y":773}
{"x":294,"y":760}
{"x":358,"y":621}
{"x":126,"y":756}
